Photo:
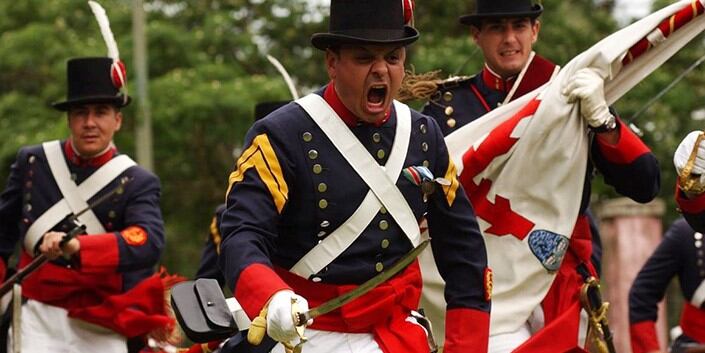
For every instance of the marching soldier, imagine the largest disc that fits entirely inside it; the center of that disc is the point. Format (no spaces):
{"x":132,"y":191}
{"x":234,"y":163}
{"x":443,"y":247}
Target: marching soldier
{"x":99,"y":288}
{"x":505,"y":31}
{"x":328,"y":194}
{"x":680,"y":254}
{"x":76,"y":302}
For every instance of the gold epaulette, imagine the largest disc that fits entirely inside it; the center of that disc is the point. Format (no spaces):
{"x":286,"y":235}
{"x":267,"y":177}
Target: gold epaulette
{"x":424,"y":86}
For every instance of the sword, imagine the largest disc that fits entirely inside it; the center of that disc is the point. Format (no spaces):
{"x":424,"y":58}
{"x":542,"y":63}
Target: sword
{"x":591,"y":301}
{"x":258,"y":326}
{"x":300,"y":319}
{"x":78,"y":229}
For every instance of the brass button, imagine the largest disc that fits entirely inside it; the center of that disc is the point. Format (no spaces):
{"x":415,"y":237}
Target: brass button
{"x":383,"y":225}
{"x":423,"y":128}
{"x":32,"y":158}
{"x":426,"y":163}
{"x":449,"y":110}
{"x":698,"y":236}
{"x":448,"y":96}
{"x":380,"y":153}
{"x":376,"y":137}
{"x":28,"y":207}
{"x":306,"y":136}
{"x":321,"y":234}
{"x":322,"y":187}
{"x":379,"y":267}
{"x":382,"y":210}
{"x":312,"y":154}
{"x":424,"y":147}
{"x":385,"y":243}
{"x":317,"y":169}
{"x":451,"y":123}
{"x":698,"y":243}
{"x":111,"y":214}
{"x":322,"y":204}
{"x":316,"y":279}
{"x":74,"y":176}
{"x":325,"y":224}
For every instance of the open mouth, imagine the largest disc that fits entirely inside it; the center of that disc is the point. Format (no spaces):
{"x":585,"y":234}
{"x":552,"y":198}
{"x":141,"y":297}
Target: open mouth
{"x":377,"y":94}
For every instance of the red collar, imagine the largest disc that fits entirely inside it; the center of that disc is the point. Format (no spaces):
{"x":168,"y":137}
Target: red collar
{"x":495,"y":82}
{"x":331,"y":97}
{"x":96,"y":161}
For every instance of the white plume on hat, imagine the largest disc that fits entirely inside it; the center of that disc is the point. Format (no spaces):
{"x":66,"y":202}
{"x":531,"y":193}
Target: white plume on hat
{"x":117,"y":70}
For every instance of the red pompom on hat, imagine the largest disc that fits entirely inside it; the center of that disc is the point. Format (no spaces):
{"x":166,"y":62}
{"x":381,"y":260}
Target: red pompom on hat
{"x":409,"y":7}
{"x":118,"y":74}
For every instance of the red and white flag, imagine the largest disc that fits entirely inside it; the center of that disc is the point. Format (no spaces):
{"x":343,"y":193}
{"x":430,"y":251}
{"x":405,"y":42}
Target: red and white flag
{"x":523,"y":164}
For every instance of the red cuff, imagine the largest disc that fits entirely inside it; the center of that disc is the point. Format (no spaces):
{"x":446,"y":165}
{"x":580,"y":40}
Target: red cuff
{"x":467,"y":330}
{"x":643,"y":337}
{"x":255,"y":285}
{"x":692,"y":206}
{"x":628,"y":148}
{"x":98,"y":253}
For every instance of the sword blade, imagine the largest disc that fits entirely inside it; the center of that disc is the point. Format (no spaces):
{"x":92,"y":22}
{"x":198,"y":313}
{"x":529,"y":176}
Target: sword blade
{"x":337,"y":302}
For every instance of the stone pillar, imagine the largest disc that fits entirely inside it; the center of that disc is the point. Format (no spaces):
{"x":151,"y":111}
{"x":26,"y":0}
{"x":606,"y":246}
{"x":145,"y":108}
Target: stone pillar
{"x":630,"y":232}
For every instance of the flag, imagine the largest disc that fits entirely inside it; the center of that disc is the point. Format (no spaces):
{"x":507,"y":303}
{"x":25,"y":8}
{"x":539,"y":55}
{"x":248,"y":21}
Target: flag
{"x":523,"y":164}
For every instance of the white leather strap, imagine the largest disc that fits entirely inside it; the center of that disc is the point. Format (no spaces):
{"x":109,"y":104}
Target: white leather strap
{"x":74,"y":197}
{"x":699,"y":295}
{"x":381,"y":180}
{"x":69,"y":190}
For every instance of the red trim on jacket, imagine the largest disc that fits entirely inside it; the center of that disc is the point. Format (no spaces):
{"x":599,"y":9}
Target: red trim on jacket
{"x":693,"y":322}
{"x":67,"y":288}
{"x":96,"y":161}
{"x":693,"y":206}
{"x":381,"y":311}
{"x":203,"y":347}
{"x":255,"y":285}
{"x":628,"y":148}
{"x":496,"y":82}
{"x":467,"y":330}
{"x":99,"y":253}
{"x":331,"y":97}
{"x":537,"y":74}
{"x":643,"y":337}
{"x":3,"y":270}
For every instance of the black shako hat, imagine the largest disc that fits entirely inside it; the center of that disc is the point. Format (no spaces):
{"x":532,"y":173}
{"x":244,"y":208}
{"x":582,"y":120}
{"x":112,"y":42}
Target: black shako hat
{"x":487,"y":9}
{"x":365,"y":22}
{"x":90,"y":81}
{"x":263,"y":109}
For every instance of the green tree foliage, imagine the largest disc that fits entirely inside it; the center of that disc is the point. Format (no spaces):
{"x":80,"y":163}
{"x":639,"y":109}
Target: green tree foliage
{"x":208,"y":69}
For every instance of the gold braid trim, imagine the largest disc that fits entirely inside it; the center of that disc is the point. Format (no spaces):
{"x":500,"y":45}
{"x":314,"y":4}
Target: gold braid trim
{"x":419,"y":86}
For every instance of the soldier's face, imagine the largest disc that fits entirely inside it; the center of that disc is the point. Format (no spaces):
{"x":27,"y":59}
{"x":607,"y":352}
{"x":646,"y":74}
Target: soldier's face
{"x":92,"y":127}
{"x":367,"y":77}
{"x":506,"y":43}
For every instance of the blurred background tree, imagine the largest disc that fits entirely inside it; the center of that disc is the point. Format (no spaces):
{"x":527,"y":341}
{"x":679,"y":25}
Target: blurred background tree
{"x":208,"y":69}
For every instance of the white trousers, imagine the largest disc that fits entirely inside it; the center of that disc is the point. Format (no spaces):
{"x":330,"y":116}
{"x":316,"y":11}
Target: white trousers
{"x":47,"y":328}
{"x":336,"y":342}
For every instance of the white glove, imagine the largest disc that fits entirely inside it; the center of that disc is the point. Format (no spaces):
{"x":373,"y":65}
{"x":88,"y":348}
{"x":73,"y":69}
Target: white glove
{"x":588,"y":87}
{"x":280,"y":321}
{"x":680,"y":158}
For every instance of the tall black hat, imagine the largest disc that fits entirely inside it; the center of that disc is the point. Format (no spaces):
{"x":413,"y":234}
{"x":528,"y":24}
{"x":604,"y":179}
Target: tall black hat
{"x":366,"y":22}
{"x":487,"y":9}
{"x":90,"y":80}
{"x":263,"y":109}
